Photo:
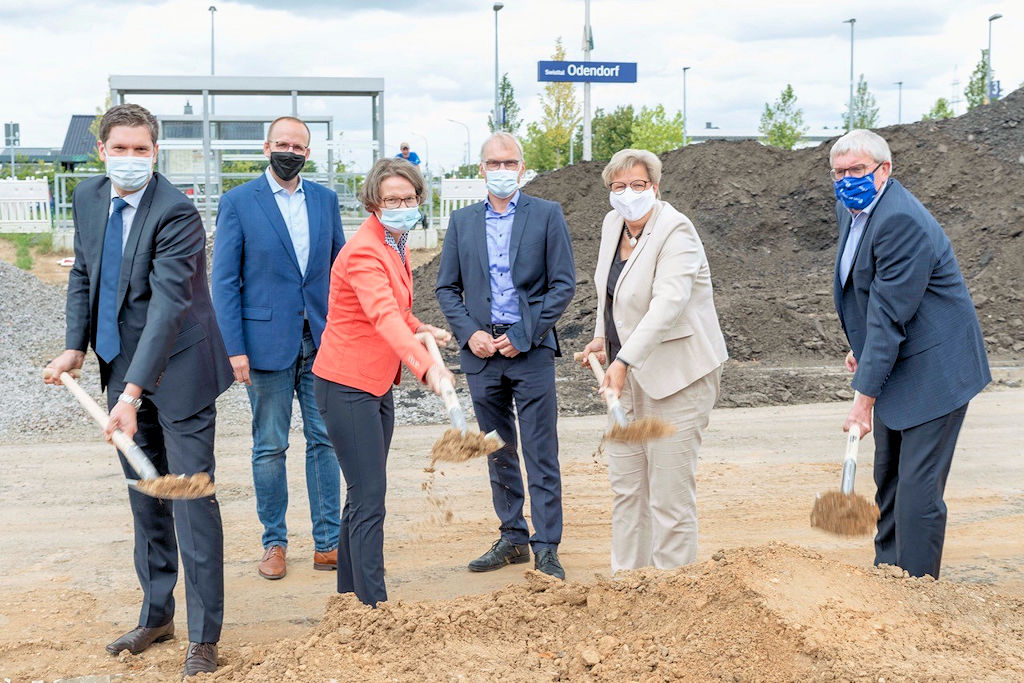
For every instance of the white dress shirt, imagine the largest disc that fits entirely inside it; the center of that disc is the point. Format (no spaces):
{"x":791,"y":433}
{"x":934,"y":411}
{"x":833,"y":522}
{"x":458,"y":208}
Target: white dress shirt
{"x":128,"y":212}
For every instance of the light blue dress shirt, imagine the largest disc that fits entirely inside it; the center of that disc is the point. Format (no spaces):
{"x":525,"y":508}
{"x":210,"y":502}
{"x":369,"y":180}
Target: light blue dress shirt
{"x":504,"y":299}
{"x":293,"y":210}
{"x":128,"y":212}
{"x":860,"y":221}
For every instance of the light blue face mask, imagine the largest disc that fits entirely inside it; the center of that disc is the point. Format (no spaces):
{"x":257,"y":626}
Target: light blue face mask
{"x":502,"y":183}
{"x":401,"y":219}
{"x":129,"y":173}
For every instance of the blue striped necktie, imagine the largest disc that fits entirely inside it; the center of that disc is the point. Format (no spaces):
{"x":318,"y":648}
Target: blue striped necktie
{"x":108,"y":341}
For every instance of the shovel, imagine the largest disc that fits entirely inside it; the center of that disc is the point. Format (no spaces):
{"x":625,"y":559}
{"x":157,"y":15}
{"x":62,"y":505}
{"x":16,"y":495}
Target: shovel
{"x":458,"y":444}
{"x":638,"y":431}
{"x":843,"y":512}
{"x":150,"y":482}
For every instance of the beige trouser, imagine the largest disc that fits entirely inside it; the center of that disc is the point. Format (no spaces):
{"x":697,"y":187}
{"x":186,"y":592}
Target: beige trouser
{"x":654,"y":507}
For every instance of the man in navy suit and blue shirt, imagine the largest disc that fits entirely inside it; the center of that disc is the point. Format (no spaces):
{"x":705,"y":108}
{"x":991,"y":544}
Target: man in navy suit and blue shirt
{"x":917,"y":351}
{"x":276,"y":240}
{"x":505,"y":278}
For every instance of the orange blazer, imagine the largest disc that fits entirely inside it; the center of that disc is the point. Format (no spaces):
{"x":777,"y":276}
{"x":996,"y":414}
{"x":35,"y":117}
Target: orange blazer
{"x":370,"y":325}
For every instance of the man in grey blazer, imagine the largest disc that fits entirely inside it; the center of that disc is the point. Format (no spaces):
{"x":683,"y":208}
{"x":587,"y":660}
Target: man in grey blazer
{"x":505,"y":278}
{"x":916,"y":348}
{"x":138,"y":294}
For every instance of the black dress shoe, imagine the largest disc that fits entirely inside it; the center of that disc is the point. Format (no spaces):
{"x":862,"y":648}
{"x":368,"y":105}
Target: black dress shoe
{"x":546,"y":560}
{"x":200,"y":658}
{"x":503,"y":552}
{"x":138,"y":639}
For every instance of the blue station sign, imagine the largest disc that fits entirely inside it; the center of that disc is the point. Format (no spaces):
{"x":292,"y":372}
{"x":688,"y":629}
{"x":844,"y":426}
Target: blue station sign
{"x":583,"y":72}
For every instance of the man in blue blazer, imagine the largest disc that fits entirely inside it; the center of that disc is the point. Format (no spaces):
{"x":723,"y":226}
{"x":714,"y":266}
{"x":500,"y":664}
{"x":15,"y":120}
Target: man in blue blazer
{"x":276,"y":240}
{"x":506,"y":276}
{"x":917,"y":352}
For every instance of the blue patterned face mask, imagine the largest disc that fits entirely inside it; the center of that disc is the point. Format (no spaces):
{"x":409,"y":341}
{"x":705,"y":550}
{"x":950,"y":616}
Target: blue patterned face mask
{"x":856,"y":193}
{"x":400,"y":220}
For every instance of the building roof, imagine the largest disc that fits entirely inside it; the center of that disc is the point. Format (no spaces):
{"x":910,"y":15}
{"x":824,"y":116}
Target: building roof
{"x":79,"y":142}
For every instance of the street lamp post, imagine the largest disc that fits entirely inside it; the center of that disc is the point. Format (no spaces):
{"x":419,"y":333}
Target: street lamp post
{"x":988,"y":70}
{"x":467,"y":137}
{"x":499,"y":118}
{"x":213,"y":10}
{"x":685,"y":69}
{"x":849,"y":117}
{"x":588,"y":45}
{"x":899,"y":105}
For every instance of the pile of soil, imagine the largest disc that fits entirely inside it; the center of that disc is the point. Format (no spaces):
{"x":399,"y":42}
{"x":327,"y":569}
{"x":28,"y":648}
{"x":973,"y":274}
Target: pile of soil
{"x":770,"y":613}
{"x":766,"y":217}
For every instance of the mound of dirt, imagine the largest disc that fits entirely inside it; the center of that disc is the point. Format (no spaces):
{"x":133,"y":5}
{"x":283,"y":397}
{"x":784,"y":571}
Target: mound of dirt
{"x":770,"y":613}
{"x":766,"y":217}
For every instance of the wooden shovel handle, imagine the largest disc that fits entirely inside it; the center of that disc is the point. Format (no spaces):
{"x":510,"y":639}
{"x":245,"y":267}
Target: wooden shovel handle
{"x":611,"y":398}
{"x":451,"y":399}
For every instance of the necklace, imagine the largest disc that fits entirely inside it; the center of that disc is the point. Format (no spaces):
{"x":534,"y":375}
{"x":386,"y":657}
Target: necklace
{"x":632,"y":239}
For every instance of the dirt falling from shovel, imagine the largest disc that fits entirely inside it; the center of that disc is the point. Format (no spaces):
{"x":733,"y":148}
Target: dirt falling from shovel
{"x":454,"y":446}
{"x":173,"y":486}
{"x":846,"y":514}
{"x":642,"y":430}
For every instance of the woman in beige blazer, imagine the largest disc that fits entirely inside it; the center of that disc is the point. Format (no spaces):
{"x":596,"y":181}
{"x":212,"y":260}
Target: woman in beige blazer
{"x":656,"y":323}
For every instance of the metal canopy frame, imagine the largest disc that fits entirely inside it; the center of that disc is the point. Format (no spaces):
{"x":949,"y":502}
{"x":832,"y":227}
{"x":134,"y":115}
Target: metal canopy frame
{"x":210,"y":86}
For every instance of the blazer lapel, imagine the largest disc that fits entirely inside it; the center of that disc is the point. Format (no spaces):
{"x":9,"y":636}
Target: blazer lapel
{"x":265,"y":198}
{"x":132,"y":245}
{"x":845,"y":223}
{"x":93,"y":234}
{"x":313,"y":220}
{"x":605,"y":254}
{"x":652,"y":225}
{"x":480,"y":235}
{"x":518,"y":228}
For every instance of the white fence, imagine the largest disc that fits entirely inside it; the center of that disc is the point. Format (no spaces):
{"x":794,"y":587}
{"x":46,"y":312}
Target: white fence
{"x":25,"y":206}
{"x":457,"y":193}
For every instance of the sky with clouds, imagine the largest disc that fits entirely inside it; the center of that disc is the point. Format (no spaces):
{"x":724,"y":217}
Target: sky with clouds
{"x":437,"y":57}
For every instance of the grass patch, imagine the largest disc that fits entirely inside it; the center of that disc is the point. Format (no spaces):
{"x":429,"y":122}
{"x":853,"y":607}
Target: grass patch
{"x":27,"y":243}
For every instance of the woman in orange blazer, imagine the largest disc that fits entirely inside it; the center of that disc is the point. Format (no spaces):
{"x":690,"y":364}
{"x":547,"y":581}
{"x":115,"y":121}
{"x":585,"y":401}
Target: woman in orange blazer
{"x":369,"y":334}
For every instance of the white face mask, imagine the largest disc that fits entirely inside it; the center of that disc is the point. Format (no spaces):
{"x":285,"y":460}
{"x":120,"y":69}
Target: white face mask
{"x":502,"y":183}
{"x":632,"y":205}
{"x":129,"y":173}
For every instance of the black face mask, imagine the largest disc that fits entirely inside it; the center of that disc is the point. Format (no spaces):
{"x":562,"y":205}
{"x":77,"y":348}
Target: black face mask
{"x":286,"y":164}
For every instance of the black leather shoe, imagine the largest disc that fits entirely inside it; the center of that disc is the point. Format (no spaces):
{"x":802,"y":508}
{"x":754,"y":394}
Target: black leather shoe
{"x":141,"y":637}
{"x":200,"y":658}
{"x":546,"y":560}
{"x":503,"y":552}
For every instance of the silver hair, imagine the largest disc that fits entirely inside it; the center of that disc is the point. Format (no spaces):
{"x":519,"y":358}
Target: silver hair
{"x":505,"y":140}
{"x":861,"y":140}
{"x":626,"y":159}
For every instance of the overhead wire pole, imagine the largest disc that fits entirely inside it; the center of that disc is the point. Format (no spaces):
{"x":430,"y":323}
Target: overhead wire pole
{"x":498,"y":119}
{"x":685,"y":69}
{"x":899,"y":105}
{"x":849,"y":115}
{"x":213,"y":10}
{"x":588,"y":45}
{"x":988,"y":70}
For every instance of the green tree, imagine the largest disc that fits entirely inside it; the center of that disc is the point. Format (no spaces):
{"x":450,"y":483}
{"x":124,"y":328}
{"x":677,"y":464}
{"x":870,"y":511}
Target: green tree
{"x":865,"y":110}
{"x":547,"y":142}
{"x":654,"y":131}
{"x":975,"y":90}
{"x":610,"y":132}
{"x":782,"y":122}
{"x":507,"y":101}
{"x":941,"y":110}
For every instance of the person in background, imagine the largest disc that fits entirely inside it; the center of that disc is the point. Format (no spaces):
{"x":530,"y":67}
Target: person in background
{"x":370,"y":333}
{"x":916,"y":348}
{"x":277,"y":237}
{"x":406,"y":154}
{"x":505,"y":278}
{"x":138,"y":294}
{"x":657,"y":327}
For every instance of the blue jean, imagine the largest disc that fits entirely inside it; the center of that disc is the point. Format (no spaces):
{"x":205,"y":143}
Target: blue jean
{"x":271,"y":399}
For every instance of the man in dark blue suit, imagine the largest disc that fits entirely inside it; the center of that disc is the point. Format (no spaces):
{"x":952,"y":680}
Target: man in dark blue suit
{"x":506,"y":276}
{"x":276,"y":240}
{"x":917,"y":352}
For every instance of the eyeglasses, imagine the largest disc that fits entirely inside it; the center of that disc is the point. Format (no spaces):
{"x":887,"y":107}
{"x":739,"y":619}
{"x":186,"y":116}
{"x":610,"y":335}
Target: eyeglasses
{"x":858,"y":171}
{"x":508,"y":164}
{"x":281,"y":146}
{"x":637,"y":186}
{"x":395,"y":202}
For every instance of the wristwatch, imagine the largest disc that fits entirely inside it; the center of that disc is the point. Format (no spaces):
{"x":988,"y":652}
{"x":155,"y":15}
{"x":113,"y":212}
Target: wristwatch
{"x":130,"y":400}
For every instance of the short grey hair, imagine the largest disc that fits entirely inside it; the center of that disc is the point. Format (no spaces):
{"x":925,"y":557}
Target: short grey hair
{"x":861,"y":140}
{"x":369,"y":193}
{"x":505,"y":139}
{"x":625,"y":159}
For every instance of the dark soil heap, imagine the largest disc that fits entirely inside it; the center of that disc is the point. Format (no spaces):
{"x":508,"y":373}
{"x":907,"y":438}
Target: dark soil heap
{"x":771,"y":613}
{"x":767,"y":220}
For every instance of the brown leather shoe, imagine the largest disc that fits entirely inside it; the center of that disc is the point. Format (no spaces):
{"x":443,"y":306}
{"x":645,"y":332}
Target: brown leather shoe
{"x":272,"y":566}
{"x":141,"y":637}
{"x":326,"y":562}
{"x":200,"y":658}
